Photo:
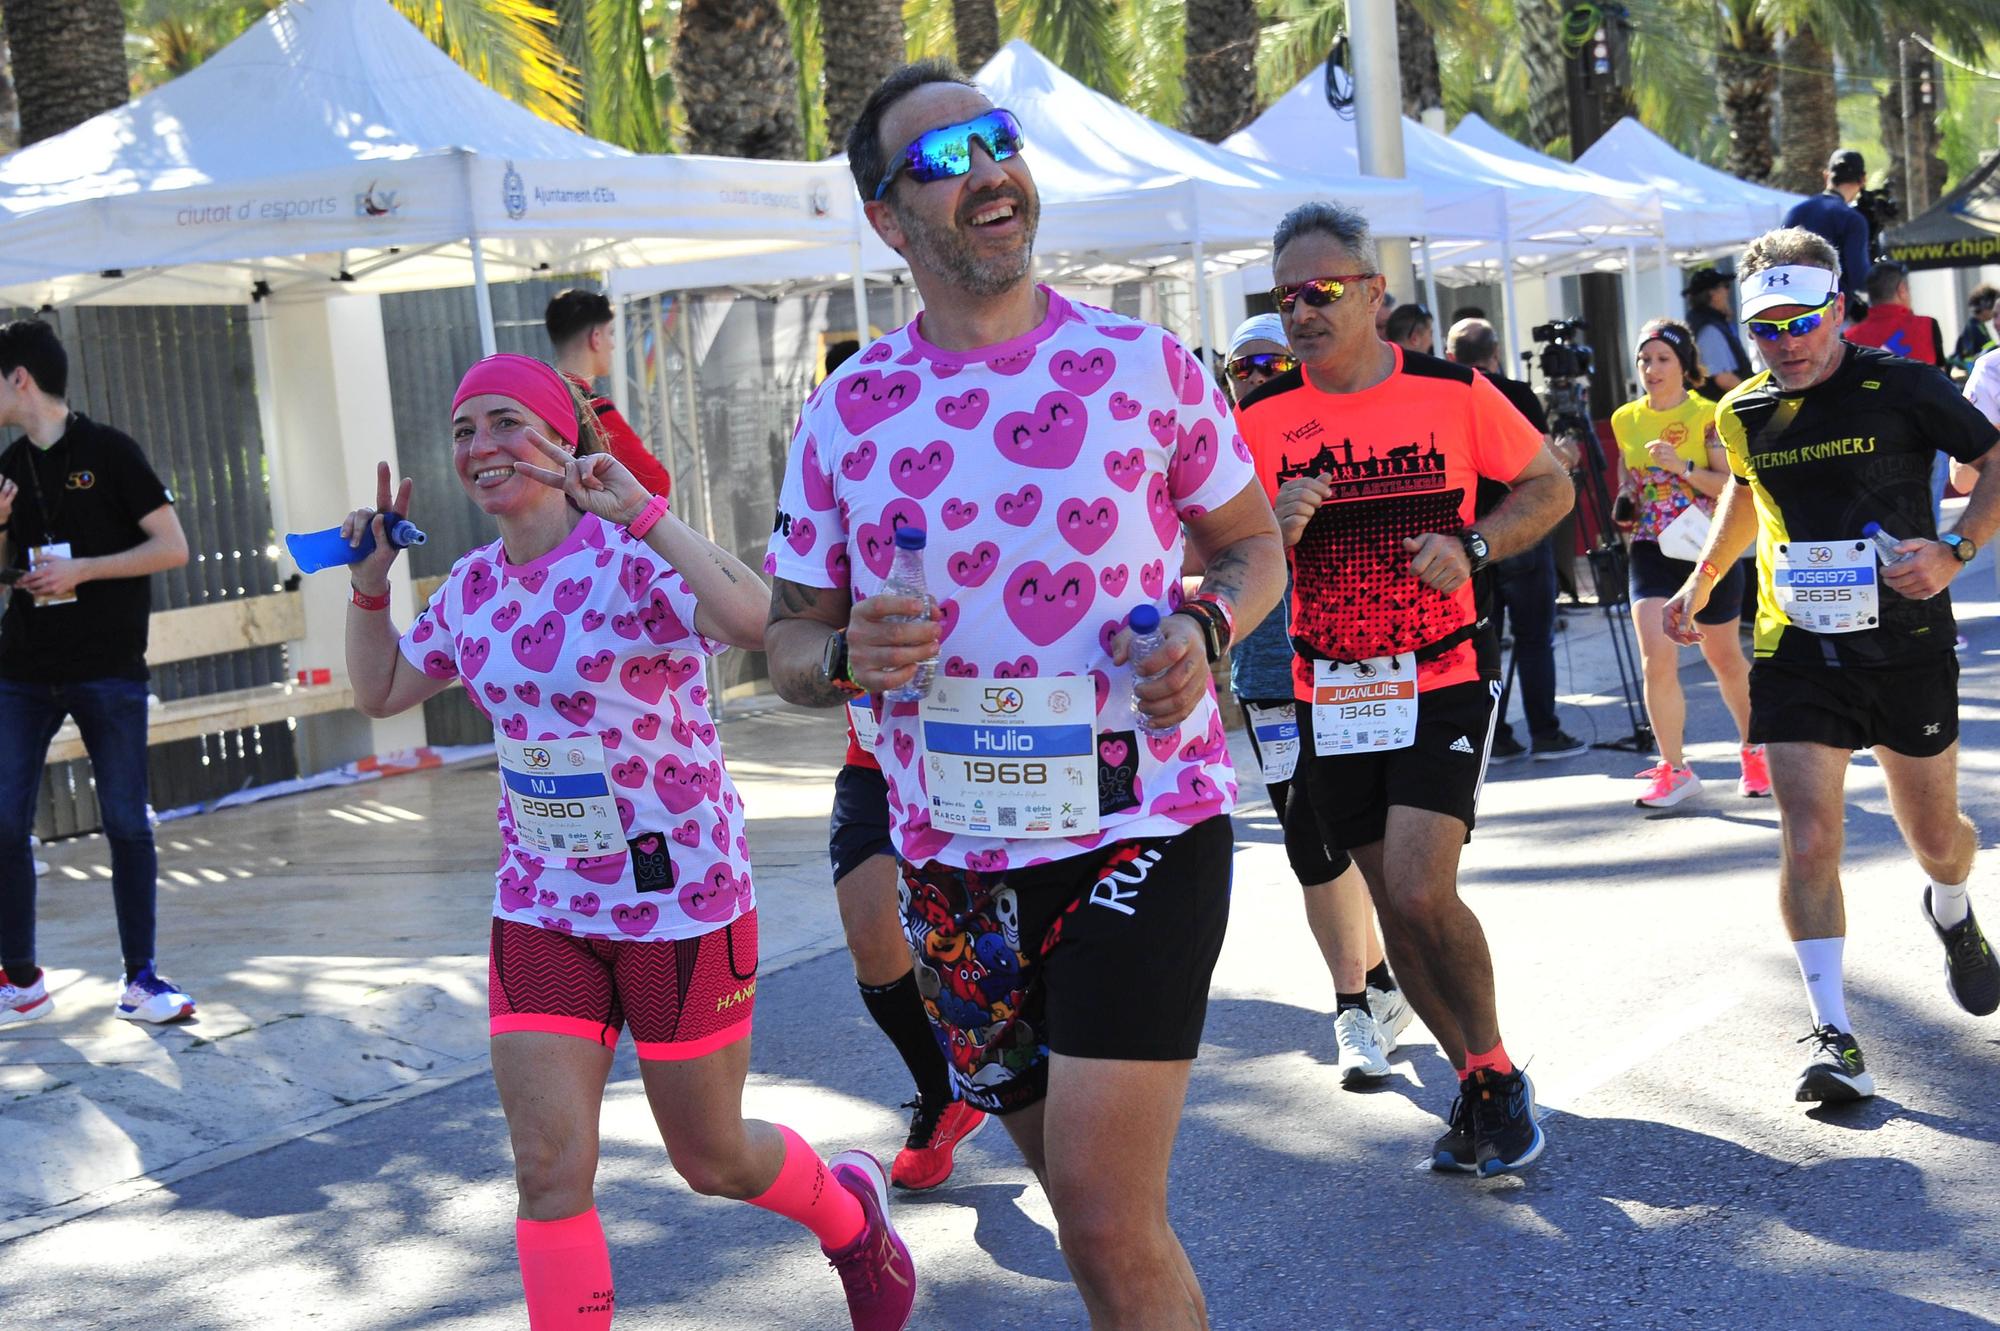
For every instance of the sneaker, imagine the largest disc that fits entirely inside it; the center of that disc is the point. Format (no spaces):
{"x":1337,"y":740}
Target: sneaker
{"x":875,"y":1269}
{"x":1505,"y":1134}
{"x":1562,"y":744}
{"x":1506,"y":749}
{"x":1970,"y":974}
{"x":1362,"y":1062}
{"x":24,"y":1003}
{"x":1454,"y":1152}
{"x":1658,"y":769}
{"x":1756,"y":780}
{"x":1670,"y":787}
{"x":1393,"y":1015}
{"x":151,"y":998}
{"x":925,"y":1160}
{"x":1835,"y":1071}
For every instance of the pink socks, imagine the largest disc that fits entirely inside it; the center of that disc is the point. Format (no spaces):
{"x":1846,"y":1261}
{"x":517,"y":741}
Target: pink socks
{"x":566,"y":1271}
{"x":806,"y":1191}
{"x":1493,"y":1060}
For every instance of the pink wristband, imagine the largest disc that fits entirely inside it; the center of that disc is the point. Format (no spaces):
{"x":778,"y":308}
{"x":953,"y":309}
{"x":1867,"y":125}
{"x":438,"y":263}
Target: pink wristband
{"x":655,"y":509}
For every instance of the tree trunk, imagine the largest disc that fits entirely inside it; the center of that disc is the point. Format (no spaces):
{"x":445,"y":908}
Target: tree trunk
{"x":1548,"y":74}
{"x":734,"y":71}
{"x":863,"y":44}
{"x":10,"y":110}
{"x":69,"y":62}
{"x":1416,"y":50}
{"x":975,"y":28}
{"x":1745,"y":81}
{"x":1221,"y":75}
{"x":1808,"y":112}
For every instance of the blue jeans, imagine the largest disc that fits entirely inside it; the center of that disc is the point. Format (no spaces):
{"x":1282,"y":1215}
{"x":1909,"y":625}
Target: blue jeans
{"x":1527,"y":591}
{"x":111,"y":715}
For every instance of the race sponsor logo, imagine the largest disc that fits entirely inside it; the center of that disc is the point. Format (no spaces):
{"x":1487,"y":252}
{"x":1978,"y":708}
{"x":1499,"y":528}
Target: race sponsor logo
{"x":514,"y":194}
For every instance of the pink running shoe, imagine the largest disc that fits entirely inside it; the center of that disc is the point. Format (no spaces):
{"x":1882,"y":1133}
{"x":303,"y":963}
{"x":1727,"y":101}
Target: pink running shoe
{"x":876,"y":1270}
{"x":1658,"y":769}
{"x":1669,"y":787}
{"x":1756,"y":780}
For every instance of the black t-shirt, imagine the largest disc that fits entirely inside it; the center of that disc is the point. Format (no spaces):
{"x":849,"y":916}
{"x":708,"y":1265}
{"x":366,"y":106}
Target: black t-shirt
{"x":1824,"y":463}
{"x":89,"y":489}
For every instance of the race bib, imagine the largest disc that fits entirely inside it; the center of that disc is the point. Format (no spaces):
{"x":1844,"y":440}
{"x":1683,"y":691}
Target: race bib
{"x":559,"y":795}
{"x":1364,"y":706}
{"x":1277,"y":732}
{"x":1012,"y":759}
{"x":861,"y":715}
{"x":1827,"y":586}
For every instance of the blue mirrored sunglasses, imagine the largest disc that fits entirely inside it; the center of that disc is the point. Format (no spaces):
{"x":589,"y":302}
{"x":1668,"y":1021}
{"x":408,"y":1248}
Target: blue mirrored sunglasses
{"x":938,"y":154}
{"x":1769,"y":330}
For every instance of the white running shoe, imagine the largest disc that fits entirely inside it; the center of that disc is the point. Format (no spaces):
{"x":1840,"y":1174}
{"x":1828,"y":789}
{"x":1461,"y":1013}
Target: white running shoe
{"x":1361,"y":1058}
{"x":1670,"y":787}
{"x":150,"y":998}
{"x":1393,"y":1015}
{"x":24,"y":1003}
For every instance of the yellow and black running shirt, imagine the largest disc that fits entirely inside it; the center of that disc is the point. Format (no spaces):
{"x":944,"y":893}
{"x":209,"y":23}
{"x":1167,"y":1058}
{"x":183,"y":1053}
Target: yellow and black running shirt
{"x":1822,"y":464}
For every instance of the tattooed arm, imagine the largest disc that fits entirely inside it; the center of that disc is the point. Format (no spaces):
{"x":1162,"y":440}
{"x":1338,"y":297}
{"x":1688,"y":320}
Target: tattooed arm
{"x":1243,"y":556}
{"x":887,"y":638}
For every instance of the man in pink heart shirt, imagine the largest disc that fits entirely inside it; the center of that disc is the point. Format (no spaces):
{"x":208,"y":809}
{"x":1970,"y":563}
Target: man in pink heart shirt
{"x":1054,"y":455}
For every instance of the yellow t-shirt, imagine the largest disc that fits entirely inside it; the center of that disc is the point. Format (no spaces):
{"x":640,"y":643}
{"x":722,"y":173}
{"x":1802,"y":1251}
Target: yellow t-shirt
{"x":1664,"y":495}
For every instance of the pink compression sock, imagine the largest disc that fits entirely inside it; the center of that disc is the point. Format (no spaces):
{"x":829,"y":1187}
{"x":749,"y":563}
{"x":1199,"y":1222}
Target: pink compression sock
{"x":806,"y":1191}
{"x":1493,"y":1060}
{"x":566,"y":1272}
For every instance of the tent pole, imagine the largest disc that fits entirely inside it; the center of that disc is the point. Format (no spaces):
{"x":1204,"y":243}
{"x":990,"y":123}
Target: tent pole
{"x":1431,"y":291}
{"x":860,"y":279}
{"x":1507,"y":302}
{"x":619,"y":332}
{"x":1670,"y":289}
{"x":1630,"y":289}
{"x":1202,"y":332}
{"x":482,"y":299}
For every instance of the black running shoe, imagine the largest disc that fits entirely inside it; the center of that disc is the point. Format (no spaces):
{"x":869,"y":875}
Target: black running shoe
{"x":1971,"y":975}
{"x":1836,"y":1071}
{"x":1454,"y":1151}
{"x":1505,"y":1134}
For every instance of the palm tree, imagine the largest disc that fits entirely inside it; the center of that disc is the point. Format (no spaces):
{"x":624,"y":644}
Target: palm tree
{"x":1220,"y":73}
{"x":862,"y":44}
{"x":1417,"y":53}
{"x":730,"y":56}
{"x":69,"y":61}
{"x":1808,"y":109}
{"x":975,"y":27}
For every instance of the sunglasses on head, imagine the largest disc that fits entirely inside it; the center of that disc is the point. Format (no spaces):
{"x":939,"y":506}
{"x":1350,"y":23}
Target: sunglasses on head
{"x":1770,"y":330}
{"x":1315,"y":291}
{"x":1269,"y":362}
{"x":939,"y":154}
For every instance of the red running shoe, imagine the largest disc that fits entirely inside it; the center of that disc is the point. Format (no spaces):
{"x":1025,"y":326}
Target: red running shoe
{"x":926,"y":1159}
{"x":875,"y":1269}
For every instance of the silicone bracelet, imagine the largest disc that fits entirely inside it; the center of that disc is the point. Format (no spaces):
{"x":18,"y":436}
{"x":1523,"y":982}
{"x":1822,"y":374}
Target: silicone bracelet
{"x":1228,"y":614}
{"x":1711,"y":571}
{"x":655,"y":509}
{"x":366,"y":602}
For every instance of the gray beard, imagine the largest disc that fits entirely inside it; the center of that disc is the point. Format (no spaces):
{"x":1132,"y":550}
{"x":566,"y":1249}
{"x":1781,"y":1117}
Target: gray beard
{"x":935,"y":249}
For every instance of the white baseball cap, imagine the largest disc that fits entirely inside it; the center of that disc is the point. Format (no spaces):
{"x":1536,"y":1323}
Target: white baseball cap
{"x":1788,"y":284}
{"x":1258,"y":328}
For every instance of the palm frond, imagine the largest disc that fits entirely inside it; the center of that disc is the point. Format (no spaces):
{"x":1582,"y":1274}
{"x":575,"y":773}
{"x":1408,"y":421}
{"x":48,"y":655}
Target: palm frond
{"x":1152,"y":47}
{"x":618,"y":83}
{"x":928,"y":31}
{"x":810,"y":56}
{"x":1080,"y":36}
{"x":1295,"y":40}
{"x":509,"y":45}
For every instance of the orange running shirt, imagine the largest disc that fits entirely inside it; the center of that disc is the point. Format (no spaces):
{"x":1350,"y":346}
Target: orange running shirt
{"x":1404,"y":458}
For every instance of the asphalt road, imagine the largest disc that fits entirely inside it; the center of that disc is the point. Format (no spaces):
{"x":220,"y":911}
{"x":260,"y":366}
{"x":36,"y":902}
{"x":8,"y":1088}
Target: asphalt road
{"x":1643,"y":975}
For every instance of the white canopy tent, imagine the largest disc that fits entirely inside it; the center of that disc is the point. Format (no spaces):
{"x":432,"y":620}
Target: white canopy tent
{"x":333,"y":143}
{"x":1708,"y":211}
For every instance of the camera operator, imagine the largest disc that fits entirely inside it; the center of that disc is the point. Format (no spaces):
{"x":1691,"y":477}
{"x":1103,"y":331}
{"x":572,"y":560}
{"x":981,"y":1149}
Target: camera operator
{"x":1832,"y":216}
{"x":1564,"y":364}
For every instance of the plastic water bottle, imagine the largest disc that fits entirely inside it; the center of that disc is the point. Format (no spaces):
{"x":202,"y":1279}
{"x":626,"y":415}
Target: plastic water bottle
{"x":316,"y":550}
{"x":1144,"y":621}
{"x":906,"y":578}
{"x":1885,"y":544}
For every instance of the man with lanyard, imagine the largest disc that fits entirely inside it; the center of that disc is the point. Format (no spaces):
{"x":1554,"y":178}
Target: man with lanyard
{"x":1831,"y":215}
{"x":1830,"y":458}
{"x":84,"y":521}
{"x":582,"y":333}
{"x":1722,"y":351}
{"x":1375,"y":454}
{"x":1060,"y":811}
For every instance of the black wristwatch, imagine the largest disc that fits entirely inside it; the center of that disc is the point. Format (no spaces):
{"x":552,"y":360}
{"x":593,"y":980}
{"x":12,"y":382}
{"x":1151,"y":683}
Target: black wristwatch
{"x":1964,"y":549}
{"x":1213,"y":643}
{"x":833,"y":664}
{"x":1475,"y":548}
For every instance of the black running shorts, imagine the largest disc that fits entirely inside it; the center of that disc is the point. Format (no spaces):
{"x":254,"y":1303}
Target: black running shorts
{"x":1911,"y":710}
{"x":1106,"y":954}
{"x":859,"y":828}
{"x":1441,"y":771}
{"x":1313,"y":861}
{"x":1651,"y":573}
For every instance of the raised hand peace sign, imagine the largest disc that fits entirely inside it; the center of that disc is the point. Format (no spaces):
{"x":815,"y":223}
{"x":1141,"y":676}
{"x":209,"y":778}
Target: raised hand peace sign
{"x":371,"y":575}
{"x":595,"y":482}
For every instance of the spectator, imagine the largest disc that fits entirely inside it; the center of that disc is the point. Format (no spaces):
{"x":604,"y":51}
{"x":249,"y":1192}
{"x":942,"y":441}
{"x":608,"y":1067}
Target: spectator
{"x":581,"y":333}
{"x":1411,"y":328}
{"x":1891,"y":324}
{"x":1715,"y":335}
{"x":1465,"y":312}
{"x":1830,"y":214}
{"x":1382,"y":312}
{"x":1978,"y":336}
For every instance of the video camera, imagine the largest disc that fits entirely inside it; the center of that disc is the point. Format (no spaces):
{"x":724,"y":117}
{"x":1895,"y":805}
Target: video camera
{"x":1880,"y":208}
{"x":1564,"y":356}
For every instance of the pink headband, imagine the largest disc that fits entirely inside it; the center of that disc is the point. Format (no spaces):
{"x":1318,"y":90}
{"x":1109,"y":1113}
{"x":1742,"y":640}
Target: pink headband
{"x":532,"y":383}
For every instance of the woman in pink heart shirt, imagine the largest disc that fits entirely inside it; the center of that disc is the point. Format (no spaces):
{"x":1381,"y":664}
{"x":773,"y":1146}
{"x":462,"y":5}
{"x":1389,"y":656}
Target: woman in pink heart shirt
{"x":581,"y":633}
{"x":1088,"y":441}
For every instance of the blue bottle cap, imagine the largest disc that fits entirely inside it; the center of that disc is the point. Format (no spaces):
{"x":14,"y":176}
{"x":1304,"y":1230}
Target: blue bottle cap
{"x":909,"y":538}
{"x":1144,"y":619}
{"x":1872,"y":530}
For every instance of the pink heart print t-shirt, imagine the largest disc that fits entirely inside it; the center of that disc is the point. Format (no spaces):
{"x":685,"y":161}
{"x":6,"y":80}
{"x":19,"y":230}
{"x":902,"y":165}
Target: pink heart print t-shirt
{"x":1051,"y":475}
{"x":597,"y":638}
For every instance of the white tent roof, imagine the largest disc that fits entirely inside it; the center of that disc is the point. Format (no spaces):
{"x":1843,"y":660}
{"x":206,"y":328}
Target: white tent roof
{"x":1709,"y":209}
{"x":1118,"y":191}
{"x":333,"y":137}
{"x":1470,"y":196}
